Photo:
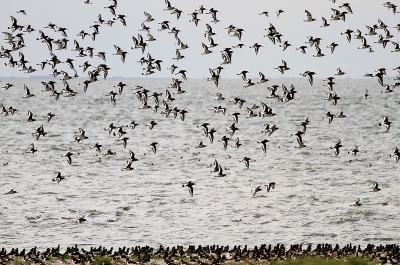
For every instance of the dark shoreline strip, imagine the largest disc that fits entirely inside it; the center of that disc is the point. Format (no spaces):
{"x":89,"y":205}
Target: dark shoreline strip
{"x":203,"y":255}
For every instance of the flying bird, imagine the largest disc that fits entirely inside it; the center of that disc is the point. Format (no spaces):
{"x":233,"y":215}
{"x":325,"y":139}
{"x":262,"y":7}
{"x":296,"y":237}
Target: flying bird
{"x":337,"y":147}
{"x":58,"y":177}
{"x":190,"y":187}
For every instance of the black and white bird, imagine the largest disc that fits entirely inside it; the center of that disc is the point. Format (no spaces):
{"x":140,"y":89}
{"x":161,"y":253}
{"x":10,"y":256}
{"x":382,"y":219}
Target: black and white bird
{"x":81,"y":136}
{"x":12,"y":191}
{"x":128,"y":166}
{"x":232,"y":129}
{"x":333,"y":46}
{"x":270,"y":186}
{"x":210,"y":134}
{"x":200,"y":145}
{"x":262,"y":78}
{"x":269,"y":129}
{"x":385,"y":123}
{"x":337,"y":147}
{"x":68,"y":157}
{"x":96,"y":147}
{"x":263,"y":144}
{"x":120,"y":86}
{"x":396,"y":154}
{"x":243,"y":74}
{"x":124,"y":141}
{"x":282,"y":68}
{"x":224,"y":139}
{"x":39,"y":132}
{"x":376,"y":187}
{"x":354,"y":151}
{"x":153,"y":146}
{"x":256,"y":47}
{"x":302,"y":48}
{"x":235,"y":116}
{"x":215,"y":166}
{"x":31,"y":149}
{"x":310,"y":76}
{"x":132,"y":156}
{"x":190,"y":187}
{"x":30,"y":117}
{"x":347,"y":33}
{"x":356,"y":203}
{"x":218,"y":96}
{"x":257,"y":189}
{"x":151,"y":124}
{"x":299,"y":138}
{"x":309,"y":17}
{"x":250,"y":113}
{"x":329,"y":116}
{"x":304,"y":124}
{"x":206,"y":50}
{"x":220,"y":172}
{"x":58,"y":177}
{"x":27,"y":92}
{"x":279,"y":12}
{"x":246,"y":160}
{"x":249,"y":83}
{"x":109,"y":152}
{"x":371,"y":31}
{"x":339,"y":72}
{"x":237,"y":143}
{"x":49,"y":116}
{"x":324,"y":23}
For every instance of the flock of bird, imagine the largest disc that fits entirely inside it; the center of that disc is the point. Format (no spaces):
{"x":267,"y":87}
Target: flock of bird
{"x":202,"y":255}
{"x":56,"y":39}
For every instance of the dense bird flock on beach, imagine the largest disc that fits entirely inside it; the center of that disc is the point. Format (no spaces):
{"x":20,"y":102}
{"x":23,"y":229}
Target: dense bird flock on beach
{"x":165,"y":104}
{"x":202,"y":255}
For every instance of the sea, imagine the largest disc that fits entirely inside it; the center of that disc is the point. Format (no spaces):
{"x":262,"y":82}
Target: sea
{"x":151,"y":205}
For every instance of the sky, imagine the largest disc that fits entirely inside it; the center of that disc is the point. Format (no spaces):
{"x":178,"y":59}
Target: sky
{"x":77,"y":16}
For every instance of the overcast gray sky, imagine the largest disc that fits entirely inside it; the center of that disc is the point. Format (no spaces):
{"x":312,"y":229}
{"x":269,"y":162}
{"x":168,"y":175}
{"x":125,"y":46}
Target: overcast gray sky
{"x":77,"y":16}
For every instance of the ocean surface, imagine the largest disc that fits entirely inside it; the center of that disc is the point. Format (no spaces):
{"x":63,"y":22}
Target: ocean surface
{"x":148,"y":206}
